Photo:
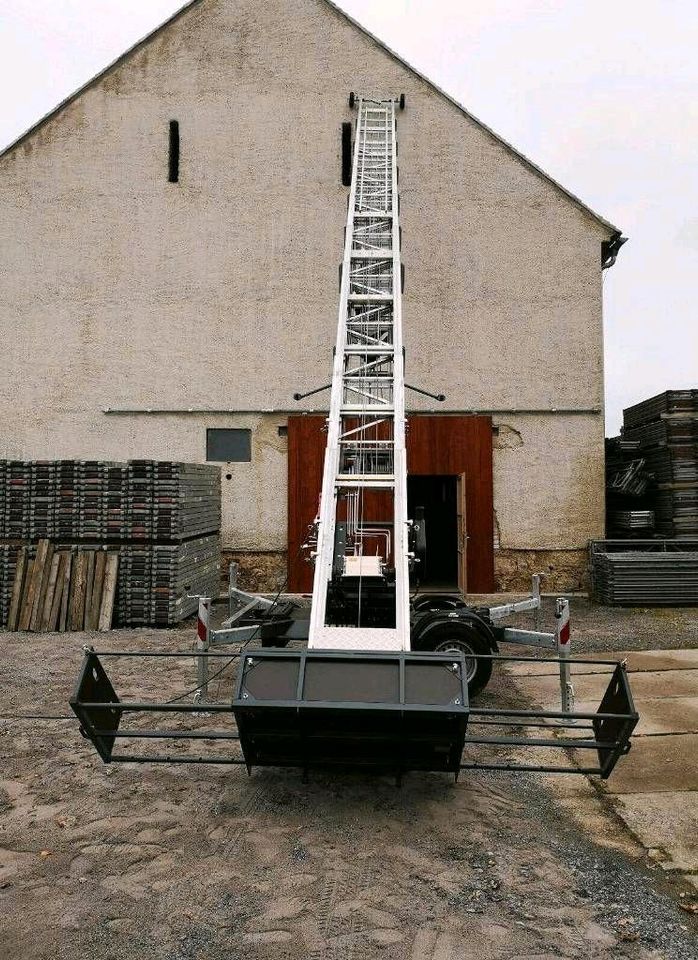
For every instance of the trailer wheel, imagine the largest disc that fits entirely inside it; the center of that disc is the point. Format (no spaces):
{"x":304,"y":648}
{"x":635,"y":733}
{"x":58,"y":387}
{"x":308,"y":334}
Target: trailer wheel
{"x":463,"y":636}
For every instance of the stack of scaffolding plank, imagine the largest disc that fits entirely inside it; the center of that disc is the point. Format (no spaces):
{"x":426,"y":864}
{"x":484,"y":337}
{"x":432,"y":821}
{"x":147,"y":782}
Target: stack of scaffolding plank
{"x":632,"y":520}
{"x":93,"y":500}
{"x":3,"y":496}
{"x":91,"y":487}
{"x":665,"y":429}
{"x":139,"y":500}
{"x":114,"y":504}
{"x":66,"y":500}
{"x":159,"y":582}
{"x":161,"y":518}
{"x":646,"y":578}
{"x":135,"y":584}
{"x":181,"y":573}
{"x":17,"y":498}
{"x":671,"y":403}
{"x":677,"y":510}
{"x":41,"y":498}
{"x":58,"y":590}
{"x":186,"y":500}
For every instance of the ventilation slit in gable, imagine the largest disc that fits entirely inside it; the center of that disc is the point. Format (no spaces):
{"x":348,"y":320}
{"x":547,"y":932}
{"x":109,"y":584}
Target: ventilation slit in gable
{"x":173,"y":175}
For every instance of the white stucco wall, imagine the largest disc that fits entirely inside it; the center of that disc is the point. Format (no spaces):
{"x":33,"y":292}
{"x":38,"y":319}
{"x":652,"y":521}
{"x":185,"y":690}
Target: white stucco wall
{"x":121,"y":290}
{"x":548,"y":481}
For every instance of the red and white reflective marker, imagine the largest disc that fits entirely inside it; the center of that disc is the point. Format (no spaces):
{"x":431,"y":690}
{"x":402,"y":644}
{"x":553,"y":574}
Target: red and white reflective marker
{"x":563,"y":623}
{"x":203,"y":620}
{"x":202,"y":643}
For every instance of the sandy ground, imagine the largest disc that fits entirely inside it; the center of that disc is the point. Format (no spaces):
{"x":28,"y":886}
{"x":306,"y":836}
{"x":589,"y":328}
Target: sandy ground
{"x":180,"y":862}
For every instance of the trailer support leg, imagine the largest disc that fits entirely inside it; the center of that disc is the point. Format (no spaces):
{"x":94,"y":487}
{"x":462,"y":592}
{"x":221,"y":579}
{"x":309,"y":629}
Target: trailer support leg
{"x":535,"y":593}
{"x":202,"y":645}
{"x":562,"y":641}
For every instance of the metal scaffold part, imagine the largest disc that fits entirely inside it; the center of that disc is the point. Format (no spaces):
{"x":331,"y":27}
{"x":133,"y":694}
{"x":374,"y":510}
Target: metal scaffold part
{"x":361,"y":585}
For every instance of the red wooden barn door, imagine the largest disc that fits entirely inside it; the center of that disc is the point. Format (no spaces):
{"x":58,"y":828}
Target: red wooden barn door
{"x":306,"y":455}
{"x":435,"y":445}
{"x":454,"y":446}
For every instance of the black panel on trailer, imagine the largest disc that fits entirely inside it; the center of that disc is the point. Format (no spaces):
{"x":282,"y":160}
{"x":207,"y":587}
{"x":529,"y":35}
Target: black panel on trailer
{"x":389,"y":711}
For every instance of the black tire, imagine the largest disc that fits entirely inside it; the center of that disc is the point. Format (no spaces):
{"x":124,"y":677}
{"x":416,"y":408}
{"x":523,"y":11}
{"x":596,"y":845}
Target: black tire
{"x":467,"y":637}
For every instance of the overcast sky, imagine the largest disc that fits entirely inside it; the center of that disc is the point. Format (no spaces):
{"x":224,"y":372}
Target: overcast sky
{"x":602,"y":95}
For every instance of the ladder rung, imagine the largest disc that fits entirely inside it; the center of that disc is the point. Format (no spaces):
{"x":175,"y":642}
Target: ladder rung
{"x":367,"y":482}
{"x":383,"y":253}
{"x":370,"y":297}
{"x":388,"y":350}
{"x":367,"y":408}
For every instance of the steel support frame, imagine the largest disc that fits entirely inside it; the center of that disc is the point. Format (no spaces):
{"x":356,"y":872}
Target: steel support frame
{"x":559,"y":641}
{"x":241,"y":603}
{"x":100,"y":711}
{"x":520,"y":606}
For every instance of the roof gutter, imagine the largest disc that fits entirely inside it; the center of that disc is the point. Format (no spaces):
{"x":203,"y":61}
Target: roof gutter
{"x":610,"y":249}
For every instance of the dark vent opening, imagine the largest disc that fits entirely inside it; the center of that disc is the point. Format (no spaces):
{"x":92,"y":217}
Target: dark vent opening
{"x":346,"y":154}
{"x":173,"y":175}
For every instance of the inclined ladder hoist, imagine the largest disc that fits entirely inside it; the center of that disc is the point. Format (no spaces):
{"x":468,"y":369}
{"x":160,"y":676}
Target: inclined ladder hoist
{"x":365,"y":450}
{"x":369,"y":675}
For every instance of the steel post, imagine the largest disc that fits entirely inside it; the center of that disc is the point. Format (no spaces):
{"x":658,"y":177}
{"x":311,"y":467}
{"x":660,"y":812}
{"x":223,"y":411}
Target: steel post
{"x":535,"y":593}
{"x":232,"y":586}
{"x":202,"y":645}
{"x":562,"y":641}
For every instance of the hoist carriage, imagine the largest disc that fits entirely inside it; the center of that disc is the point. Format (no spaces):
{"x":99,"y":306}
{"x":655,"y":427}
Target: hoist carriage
{"x":385,"y":681}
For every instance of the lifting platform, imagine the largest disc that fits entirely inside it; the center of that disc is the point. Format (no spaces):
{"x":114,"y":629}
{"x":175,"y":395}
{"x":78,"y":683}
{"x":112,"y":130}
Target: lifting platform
{"x":382,"y":681}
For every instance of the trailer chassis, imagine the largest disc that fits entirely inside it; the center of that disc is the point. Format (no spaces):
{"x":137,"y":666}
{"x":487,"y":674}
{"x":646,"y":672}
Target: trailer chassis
{"x":414,"y":734}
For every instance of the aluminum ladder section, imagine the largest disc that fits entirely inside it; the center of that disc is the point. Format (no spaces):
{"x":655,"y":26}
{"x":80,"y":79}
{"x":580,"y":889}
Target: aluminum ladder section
{"x":366,"y":425}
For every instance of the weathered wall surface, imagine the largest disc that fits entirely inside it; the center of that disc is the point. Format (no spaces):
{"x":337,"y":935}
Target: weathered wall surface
{"x":119,"y":289}
{"x":548,"y":472}
{"x":560,"y":571}
{"x":548,"y":498}
{"x":257,"y":571}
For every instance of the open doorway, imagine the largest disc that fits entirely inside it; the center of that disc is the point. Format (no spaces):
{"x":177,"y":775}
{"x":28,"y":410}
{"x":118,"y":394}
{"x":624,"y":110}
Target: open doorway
{"x":439,"y":497}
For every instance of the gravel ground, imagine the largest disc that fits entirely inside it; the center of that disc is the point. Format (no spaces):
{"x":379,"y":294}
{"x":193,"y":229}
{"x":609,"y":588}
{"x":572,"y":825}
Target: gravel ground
{"x":182,"y":862}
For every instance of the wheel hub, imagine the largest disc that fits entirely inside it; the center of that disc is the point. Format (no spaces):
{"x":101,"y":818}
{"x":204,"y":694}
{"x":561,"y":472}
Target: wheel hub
{"x":461,"y":646}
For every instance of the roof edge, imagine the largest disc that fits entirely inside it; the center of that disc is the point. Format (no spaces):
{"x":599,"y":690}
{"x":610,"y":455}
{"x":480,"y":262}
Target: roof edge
{"x":459,"y":106}
{"x":483,"y":126}
{"x":97,"y":77}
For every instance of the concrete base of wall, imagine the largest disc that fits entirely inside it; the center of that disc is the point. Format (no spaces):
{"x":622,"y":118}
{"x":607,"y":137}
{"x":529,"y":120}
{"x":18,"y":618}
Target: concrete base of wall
{"x":562,"y":571}
{"x":258,"y":572}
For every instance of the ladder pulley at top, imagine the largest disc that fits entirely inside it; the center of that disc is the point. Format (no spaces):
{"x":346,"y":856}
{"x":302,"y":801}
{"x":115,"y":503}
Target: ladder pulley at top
{"x":357,"y":553}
